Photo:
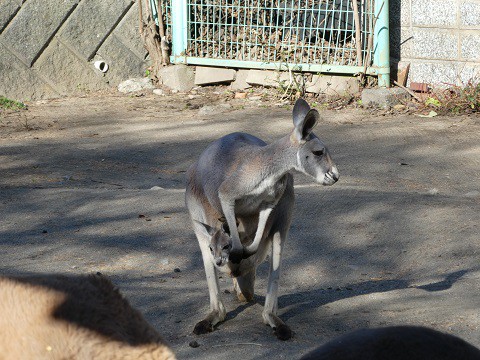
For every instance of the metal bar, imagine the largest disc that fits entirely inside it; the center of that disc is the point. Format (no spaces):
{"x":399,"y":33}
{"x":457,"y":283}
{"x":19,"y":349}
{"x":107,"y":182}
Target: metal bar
{"x":316,"y":68}
{"x":179,"y":25}
{"x":381,"y":47}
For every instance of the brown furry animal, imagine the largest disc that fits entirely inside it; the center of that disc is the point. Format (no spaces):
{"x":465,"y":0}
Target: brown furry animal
{"x":396,"y":343}
{"x":72,"y":317}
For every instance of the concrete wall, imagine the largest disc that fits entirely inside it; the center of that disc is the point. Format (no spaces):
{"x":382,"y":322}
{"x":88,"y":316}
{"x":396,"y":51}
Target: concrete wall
{"x":47,"y":47}
{"x":439,"y":38}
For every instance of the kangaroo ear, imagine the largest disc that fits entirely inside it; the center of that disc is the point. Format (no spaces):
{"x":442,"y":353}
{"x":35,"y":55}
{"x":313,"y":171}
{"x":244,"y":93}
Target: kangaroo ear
{"x":304,"y":121}
{"x":210,"y":231}
{"x":300,"y":110}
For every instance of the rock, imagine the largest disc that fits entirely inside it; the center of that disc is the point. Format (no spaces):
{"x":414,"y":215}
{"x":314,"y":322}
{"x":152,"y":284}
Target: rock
{"x":178,"y":77}
{"x":267,"y":78}
{"x":383,"y":97}
{"x":159,"y":92}
{"x":332,"y":85}
{"x":214,"y":109}
{"x":240,"y":82}
{"x":240,"y":95}
{"x":205,"y":75}
{"x":473,"y":194}
{"x":399,"y":107}
{"x":137,"y":84}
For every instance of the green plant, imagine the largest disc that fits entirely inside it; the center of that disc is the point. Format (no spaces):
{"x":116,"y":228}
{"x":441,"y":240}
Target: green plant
{"x":11,"y":104}
{"x":456,"y":99}
{"x":432,"y":101}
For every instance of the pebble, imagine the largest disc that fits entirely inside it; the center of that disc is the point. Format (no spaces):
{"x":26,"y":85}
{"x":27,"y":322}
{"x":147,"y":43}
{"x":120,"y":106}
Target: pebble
{"x":159,"y":92}
{"x":240,"y":95}
{"x":193,"y":344}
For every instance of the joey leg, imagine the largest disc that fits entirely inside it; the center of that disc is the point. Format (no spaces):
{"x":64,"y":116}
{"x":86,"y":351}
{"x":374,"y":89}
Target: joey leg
{"x":244,"y":286}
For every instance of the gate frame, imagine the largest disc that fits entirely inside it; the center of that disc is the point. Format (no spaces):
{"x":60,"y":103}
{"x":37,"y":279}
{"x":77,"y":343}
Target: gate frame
{"x":381,"y":49}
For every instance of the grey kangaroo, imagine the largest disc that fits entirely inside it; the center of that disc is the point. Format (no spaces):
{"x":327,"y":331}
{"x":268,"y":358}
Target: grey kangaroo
{"x":239,"y":178}
{"x":396,"y":343}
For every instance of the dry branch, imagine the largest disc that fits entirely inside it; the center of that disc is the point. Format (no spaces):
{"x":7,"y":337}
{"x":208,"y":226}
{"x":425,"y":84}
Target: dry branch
{"x":152,"y":40}
{"x":358,"y":35}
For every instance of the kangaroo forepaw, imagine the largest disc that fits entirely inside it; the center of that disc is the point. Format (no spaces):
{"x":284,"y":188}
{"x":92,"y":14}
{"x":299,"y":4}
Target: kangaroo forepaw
{"x":203,"y":327}
{"x":283,"y":332}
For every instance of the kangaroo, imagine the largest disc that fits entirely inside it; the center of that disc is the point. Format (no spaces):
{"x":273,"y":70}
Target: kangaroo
{"x":52,"y":316}
{"x":395,"y":343}
{"x":239,"y":178}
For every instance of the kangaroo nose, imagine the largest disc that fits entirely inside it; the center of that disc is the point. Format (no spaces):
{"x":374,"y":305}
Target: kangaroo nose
{"x":219,"y":262}
{"x":334,"y":173}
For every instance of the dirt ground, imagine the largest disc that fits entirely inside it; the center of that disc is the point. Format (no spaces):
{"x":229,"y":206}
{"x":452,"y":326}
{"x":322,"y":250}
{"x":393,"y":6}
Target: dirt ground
{"x":96,"y":184}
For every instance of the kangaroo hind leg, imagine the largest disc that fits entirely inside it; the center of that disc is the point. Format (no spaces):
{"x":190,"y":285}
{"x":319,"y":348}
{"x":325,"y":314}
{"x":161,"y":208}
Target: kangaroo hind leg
{"x":282,"y":330}
{"x":217,"y":309}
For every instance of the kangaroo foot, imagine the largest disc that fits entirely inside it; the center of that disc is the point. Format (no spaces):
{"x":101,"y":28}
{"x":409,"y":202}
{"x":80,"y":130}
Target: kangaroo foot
{"x":203,"y":327}
{"x":283,"y":332}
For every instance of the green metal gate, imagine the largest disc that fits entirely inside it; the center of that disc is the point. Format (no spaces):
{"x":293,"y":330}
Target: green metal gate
{"x":321,"y":36}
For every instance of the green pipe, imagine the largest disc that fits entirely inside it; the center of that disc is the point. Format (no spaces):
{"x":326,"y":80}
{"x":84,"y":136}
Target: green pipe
{"x":179,"y":31}
{"x":381,"y":45}
{"x":315,"y":68}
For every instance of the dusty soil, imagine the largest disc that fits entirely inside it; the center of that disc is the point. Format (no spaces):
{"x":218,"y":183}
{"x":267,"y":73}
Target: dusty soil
{"x":96,"y":184}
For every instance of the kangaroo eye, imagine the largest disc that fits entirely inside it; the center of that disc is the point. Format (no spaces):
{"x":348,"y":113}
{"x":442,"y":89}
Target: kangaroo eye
{"x":211,"y":248}
{"x":226,"y":247}
{"x":318,"y":153}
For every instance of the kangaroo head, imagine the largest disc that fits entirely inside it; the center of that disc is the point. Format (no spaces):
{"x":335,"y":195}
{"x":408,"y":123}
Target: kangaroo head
{"x":313,"y":158}
{"x":220,"y":243}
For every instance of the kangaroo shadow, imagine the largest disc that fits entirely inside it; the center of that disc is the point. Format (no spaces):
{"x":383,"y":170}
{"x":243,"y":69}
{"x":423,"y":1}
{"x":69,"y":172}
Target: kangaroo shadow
{"x":306,"y":301}
{"x":445,"y":284}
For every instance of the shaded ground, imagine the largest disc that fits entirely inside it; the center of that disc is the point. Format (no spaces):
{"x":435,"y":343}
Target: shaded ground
{"x":96,"y":184}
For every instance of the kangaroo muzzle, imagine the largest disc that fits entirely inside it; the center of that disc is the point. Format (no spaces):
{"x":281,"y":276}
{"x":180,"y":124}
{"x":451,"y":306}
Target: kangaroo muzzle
{"x":331,"y":177}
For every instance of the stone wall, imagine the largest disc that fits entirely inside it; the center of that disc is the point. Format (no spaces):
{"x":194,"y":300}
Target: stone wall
{"x":439,"y":38}
{"x":48,"y":47}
